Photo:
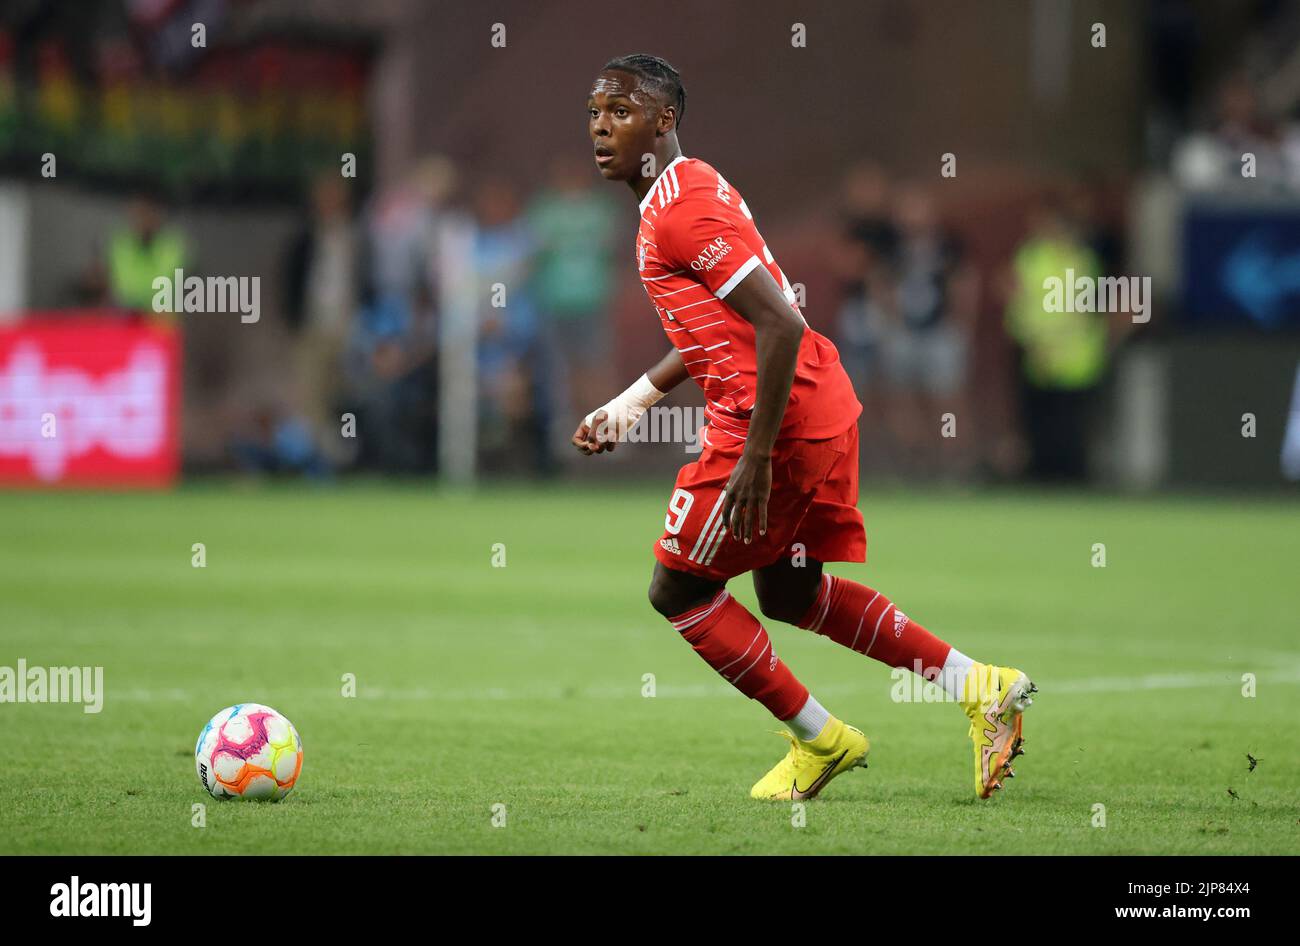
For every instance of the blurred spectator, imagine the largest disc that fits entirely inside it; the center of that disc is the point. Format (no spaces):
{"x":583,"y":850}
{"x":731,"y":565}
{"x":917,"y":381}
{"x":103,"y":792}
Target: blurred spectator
{"x":1211,"y":160}
{"x":925,"y":345}
{"x":392,"y":383}
{"x":515,"y":388}
{"x":401,"y":231}
{"x":864,"y":258}
{"x":276,"y":443}
{"x":572,"y":226}
{"x":135,"y":255}
{"x":322,"y":280}
{"x":391,"y":366}
{"x":1062,"y":354}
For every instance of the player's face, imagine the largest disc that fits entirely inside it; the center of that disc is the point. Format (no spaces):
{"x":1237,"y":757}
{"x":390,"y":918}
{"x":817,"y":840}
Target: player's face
{"x":621,"y":119}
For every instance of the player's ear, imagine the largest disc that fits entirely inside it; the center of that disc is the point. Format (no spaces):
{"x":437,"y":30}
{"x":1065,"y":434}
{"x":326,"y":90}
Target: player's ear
{"x":667,"y":121}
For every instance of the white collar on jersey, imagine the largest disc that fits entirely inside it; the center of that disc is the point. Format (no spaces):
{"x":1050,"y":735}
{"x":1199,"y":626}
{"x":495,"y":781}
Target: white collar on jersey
{"x":646,"y":202}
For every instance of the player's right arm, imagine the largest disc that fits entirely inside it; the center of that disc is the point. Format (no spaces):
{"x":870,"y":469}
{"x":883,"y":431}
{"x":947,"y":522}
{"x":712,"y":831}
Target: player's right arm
{"x":669,"y":372}
{"x":601,"y":430}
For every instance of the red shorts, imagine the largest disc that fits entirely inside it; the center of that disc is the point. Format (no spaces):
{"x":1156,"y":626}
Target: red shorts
{"x":813,"y":509}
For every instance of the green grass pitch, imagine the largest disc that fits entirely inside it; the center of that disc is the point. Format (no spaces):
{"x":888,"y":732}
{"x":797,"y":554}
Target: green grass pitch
{"x":521,"y":686}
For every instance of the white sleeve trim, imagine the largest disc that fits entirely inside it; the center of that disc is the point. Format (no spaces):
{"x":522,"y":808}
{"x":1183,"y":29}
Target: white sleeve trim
{"x":746,"y":268}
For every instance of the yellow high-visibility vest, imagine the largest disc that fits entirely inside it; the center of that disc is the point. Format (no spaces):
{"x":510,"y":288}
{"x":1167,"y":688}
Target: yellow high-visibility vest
{"x":133,"y":266}
{"x":1064,"y":350}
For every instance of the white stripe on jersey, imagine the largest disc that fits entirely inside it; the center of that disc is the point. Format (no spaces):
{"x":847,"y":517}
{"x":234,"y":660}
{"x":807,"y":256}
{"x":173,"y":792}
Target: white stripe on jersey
{"x":716,"y":421}
{"x":700,"y":329}
{"x":666,"y":177}
{"x":696,"y":318}
{"x":701,"y":347}
{"x":691,"y":305}
{"x":723,"y":430}
{"x":745,"y":269}
{"x":662,"y":295}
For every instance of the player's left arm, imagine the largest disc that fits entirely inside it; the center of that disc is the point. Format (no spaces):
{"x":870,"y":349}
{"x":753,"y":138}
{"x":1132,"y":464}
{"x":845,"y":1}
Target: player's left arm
{"x":778,"y":329}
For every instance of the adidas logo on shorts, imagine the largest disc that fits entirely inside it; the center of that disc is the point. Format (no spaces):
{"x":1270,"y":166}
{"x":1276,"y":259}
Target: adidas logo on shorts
{"x":671,"y":546}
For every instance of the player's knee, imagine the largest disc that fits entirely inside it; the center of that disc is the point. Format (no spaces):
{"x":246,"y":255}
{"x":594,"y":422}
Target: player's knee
{"x":788,"y":602}
{"x":663,"y":597}
{"x":786,"y":593}
{"x":672,"y":593}
{"x":784,"y":606}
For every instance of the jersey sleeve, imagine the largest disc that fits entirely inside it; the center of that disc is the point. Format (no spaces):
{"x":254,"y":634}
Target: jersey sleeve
{"x":698,"y":235}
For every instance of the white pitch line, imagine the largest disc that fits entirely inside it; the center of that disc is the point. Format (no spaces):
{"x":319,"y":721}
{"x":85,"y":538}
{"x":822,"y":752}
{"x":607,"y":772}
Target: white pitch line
{"x":1049,"y":686}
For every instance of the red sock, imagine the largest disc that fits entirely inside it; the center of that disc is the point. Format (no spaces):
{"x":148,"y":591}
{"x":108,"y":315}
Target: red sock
{"x":732,"y":642}
{"x":864,"y":620}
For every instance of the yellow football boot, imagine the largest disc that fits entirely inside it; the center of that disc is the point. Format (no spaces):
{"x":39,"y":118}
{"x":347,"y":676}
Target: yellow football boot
{"x":808,"y":766}
{"x":994,"y":698}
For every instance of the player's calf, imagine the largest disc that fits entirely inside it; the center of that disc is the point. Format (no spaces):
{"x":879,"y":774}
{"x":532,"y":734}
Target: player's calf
{"x":992,"y":697}
{"x":865,"y":620}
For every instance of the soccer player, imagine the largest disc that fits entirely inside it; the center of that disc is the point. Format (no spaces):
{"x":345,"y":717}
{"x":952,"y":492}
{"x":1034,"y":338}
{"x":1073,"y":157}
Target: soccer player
{"x":775,"y":488}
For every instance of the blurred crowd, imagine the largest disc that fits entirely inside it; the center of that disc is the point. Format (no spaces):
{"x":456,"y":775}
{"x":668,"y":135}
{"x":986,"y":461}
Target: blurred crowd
{"x":911,"y":308}
{"x":1245,"y":104}
{"x":1212,"y":157}
{"x":365,"y":295}
{"x":363,"y":301}
{"x":365,"y":298}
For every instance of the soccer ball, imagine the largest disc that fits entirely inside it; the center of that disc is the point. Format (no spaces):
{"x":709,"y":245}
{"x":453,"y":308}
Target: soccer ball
{"x":248,"y":751}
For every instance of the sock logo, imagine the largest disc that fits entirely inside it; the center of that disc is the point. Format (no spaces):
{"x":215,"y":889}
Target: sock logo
{"x":900,"y":622}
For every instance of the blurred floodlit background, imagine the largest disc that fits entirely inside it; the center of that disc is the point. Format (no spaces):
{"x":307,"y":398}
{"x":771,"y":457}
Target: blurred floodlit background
{"x":447,"y":286}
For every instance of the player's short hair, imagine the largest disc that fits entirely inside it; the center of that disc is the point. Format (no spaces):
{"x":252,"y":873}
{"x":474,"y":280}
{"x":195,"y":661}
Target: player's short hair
{"x":658,"y":75}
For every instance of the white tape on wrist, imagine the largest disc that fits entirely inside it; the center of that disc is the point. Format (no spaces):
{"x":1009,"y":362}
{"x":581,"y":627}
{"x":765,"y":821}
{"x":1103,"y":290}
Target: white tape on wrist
{"x":626,"y":409}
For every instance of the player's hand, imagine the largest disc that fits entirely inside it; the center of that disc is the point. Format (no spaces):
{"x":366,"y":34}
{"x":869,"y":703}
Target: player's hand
{"x":594,"y":437}
{"x":745,"y":508}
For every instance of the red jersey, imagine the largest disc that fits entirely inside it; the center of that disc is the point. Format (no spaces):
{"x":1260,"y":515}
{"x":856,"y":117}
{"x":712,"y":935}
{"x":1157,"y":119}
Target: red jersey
{"x":696,"y":242}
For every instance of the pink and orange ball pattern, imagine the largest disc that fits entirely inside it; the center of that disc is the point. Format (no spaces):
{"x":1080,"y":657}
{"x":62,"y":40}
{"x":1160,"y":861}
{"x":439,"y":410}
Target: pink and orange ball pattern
{"x":248,"y":751}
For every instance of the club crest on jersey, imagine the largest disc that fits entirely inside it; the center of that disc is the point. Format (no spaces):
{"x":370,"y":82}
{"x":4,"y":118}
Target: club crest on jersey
{"x":711,"y":255}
